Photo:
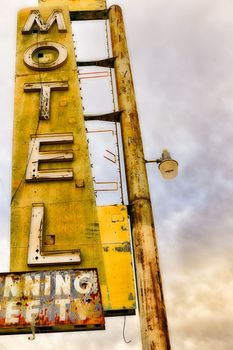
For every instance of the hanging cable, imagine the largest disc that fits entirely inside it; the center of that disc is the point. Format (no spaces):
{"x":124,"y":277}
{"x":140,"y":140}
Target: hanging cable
{"x":114,"y":110}
{"x":33,"y":328}
{"x":126,"y":341}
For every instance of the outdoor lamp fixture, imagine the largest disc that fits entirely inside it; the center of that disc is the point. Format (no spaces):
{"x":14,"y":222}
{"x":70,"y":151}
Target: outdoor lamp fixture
{"x":167,"y":166}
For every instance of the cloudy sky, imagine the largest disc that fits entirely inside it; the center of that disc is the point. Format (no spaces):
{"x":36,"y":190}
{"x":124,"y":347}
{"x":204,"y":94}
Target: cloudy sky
{"x":182,"y":62}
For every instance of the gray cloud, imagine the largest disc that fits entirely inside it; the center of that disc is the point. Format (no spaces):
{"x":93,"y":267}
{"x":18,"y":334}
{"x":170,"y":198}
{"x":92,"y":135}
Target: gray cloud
{"x":200,"y":307}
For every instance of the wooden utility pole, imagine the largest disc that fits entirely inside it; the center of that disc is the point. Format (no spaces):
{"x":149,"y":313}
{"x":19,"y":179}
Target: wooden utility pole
{"x":153,"y":321}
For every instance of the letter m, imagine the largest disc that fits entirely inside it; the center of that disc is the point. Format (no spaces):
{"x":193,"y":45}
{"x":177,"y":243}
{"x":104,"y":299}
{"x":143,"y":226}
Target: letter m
{"x":35,"y":19}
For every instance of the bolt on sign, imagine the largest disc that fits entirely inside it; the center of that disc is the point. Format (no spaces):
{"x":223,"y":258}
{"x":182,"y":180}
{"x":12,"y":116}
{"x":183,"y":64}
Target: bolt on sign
{"x":50,"y":301}
{"x":55,"y":223}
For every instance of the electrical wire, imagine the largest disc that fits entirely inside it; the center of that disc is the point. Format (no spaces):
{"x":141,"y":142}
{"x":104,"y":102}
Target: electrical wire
{"x":114,"y":110}
{"x":123,"y":334}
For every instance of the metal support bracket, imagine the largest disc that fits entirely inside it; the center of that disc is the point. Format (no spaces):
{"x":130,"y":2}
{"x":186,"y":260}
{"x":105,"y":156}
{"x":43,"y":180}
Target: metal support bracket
{"x":108,"y":63}
{"x":109,"y":117}
{"x":88,"y":15}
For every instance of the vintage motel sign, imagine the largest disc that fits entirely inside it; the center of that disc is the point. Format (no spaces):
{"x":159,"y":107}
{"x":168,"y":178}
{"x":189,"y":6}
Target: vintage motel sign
{"x":50,"y":157}
{"x":55,"y":223}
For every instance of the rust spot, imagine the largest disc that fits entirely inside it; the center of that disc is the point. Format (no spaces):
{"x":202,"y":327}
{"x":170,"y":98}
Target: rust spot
{"x":160,"y":310}
{"x":140,"y":255}
{"x":124,"y":248}
{"x":153,"y":346}
{"x":15,"y":278}
{"x":130,"y":296}
{"x":49,"y":239}
{"x":79,"y":183}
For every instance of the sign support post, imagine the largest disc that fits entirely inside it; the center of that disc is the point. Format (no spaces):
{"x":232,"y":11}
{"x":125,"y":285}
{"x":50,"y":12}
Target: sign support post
{"x":153,"y":321}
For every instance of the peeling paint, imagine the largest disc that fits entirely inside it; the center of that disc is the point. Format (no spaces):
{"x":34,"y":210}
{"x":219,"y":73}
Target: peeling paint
{"x":125,"y":247}
{"x":71,"y":301}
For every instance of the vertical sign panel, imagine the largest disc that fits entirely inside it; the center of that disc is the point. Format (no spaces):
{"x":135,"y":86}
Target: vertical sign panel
{"x":54,"y":216}
{"x":119,"y":297}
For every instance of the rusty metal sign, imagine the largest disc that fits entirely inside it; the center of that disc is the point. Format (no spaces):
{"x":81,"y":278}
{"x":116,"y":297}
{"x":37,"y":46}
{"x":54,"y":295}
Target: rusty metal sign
{"x":50,"y":301}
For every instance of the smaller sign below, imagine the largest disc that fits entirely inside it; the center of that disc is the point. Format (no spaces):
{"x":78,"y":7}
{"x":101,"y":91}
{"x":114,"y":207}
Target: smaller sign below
{"x":50,"y":301}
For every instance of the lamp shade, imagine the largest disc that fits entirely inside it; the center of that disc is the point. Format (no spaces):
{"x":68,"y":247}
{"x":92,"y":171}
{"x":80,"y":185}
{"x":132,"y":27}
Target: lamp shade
{"x":169,"y":168}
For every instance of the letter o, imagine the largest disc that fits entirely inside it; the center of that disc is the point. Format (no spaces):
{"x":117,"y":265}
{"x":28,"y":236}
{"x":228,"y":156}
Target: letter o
{"x":57,"y":47}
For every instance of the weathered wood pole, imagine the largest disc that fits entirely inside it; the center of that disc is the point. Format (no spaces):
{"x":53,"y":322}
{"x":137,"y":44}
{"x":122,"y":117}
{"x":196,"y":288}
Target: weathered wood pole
{"x":153,"y":320}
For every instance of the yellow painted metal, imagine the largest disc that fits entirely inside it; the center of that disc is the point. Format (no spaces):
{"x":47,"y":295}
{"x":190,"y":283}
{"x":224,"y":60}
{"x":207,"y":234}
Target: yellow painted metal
{"x":115,"y":237}
{"x":70,"y":208}
{"x":77,"y":5}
